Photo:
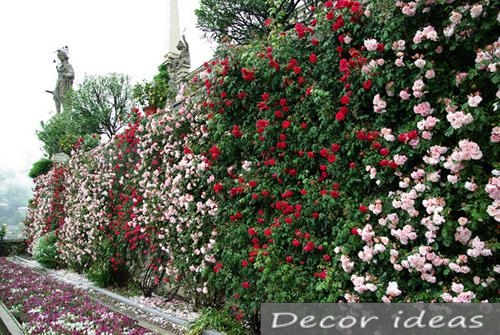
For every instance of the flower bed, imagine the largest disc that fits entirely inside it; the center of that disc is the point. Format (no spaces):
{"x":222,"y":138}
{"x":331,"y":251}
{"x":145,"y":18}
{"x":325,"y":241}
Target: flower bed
{"x":45,"y":306}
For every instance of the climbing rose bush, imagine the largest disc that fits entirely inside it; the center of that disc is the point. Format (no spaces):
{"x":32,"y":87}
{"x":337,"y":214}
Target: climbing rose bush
{"x":46,"y":211}
{"x":175,"y":205}
{"x":353,"y":158}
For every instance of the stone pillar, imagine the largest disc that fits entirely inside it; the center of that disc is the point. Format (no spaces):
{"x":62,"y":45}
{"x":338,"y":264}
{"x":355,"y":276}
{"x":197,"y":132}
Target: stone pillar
{"x":177,"y":58}
{"x":174,"y":34}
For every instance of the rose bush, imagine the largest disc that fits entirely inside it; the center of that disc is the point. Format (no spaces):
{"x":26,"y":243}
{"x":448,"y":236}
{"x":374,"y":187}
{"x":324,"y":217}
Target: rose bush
{"x":354,"y":158}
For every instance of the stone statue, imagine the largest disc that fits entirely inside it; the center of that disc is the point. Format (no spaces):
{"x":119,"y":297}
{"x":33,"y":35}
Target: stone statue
{"x":184,"y":60}
{"x":178,"y":64}
{"x":65,"y":77}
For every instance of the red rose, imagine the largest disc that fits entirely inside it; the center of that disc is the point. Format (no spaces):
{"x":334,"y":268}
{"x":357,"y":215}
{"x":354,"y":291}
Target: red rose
{"x":367,"y":84}
{"x":218,"y":187}
{"x":236,"y":131}
{"x":245,"y":285}
{"x":309,"y":246}
{"x":313,"y":58}
{"x":335,"y":147}
{"x":363,"y":208}
{"x":384,"y":152}
{"x":247,"y":74}
{"x":339,"y":116}
{"x":403,"y":137}
{"x":251,"y":231}
{"x":344,"y":100}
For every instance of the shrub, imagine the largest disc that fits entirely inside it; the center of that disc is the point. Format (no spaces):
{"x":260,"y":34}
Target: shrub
{"x":355,"y":160}
{"x":100,"y":273}
{"x":40,"y":167}
{"x":221,"y":321}
{"x":45,"y":250}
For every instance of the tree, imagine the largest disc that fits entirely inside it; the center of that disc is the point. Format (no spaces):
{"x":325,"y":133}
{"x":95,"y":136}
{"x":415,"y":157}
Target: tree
{"x":154,"y":93}
{"x":102,"y":103}
{"x":242,"y":20}
{"x":59,"y":133}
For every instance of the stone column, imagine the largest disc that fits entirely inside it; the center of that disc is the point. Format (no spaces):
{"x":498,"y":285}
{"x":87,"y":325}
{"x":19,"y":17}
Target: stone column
{"x":177,"y":58}
{"x":174,"y":35}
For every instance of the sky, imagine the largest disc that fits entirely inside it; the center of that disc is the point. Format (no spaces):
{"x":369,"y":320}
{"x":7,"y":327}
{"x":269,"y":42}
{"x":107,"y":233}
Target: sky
{"x":103,"y":36}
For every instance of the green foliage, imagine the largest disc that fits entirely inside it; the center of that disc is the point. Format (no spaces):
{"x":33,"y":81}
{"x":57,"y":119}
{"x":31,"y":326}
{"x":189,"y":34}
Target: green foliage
{"x":243,"y":20}
{"x":220,"y":321}
{"x":154,"y":93}
{"x":45,"y":250}
{"x":100,"y":273}
{"x":59,"y":133}
{"x":102,"y":104}
{"x":40,"y":167}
